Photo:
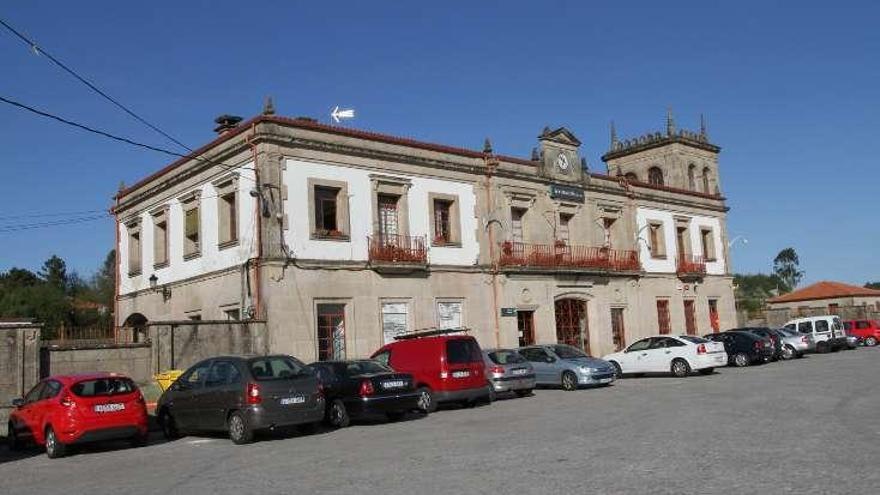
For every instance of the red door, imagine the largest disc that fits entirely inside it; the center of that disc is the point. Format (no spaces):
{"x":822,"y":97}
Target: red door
{"x":690,"y":318}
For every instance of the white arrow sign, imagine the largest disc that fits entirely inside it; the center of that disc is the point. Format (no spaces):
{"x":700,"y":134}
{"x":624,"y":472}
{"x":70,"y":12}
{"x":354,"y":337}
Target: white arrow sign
{"x":338,"y":114}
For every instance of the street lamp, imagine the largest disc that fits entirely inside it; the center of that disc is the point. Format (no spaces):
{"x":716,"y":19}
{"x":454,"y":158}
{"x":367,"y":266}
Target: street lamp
{"x":154,"y":286}
{"x":737,"y":238}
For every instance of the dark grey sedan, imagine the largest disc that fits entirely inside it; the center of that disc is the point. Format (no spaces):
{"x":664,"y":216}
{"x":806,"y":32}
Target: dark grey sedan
{"x":241,"y":395}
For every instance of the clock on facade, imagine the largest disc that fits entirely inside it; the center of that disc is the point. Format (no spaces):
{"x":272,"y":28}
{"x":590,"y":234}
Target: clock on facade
{"x":562,"y":162}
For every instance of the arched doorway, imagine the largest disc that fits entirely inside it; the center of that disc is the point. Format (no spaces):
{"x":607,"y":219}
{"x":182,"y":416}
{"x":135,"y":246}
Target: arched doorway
{"x":133,"y":329}
{"x":571,"y":323}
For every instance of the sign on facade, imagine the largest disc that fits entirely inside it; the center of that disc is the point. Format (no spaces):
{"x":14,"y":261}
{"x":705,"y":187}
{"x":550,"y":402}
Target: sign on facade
{"x":567,"y":193}
{"x":449,"y":314}
{"x":508,"y":311}
{"x":394,"y":316}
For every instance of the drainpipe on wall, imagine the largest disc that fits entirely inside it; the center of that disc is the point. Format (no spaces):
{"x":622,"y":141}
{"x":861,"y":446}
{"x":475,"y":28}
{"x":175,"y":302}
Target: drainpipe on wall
{"x":259,"y":221}
{"x":491,"y":163}
{"x":116,"y":271}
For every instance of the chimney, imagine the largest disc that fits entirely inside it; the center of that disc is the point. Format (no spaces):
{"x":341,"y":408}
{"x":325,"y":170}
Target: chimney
{"x":226,"y":123}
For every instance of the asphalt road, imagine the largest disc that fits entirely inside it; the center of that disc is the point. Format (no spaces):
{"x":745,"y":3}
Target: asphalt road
{"x":806,"y":426}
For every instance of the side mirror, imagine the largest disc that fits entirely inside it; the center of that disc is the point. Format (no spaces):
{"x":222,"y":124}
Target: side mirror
{"x":17,"y":402}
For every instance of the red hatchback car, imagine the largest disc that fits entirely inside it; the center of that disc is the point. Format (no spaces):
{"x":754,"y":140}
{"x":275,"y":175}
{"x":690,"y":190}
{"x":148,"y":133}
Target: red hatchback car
{"x":74,"y":409}
{"x":868,"y":331}
{"x":445,"y":368}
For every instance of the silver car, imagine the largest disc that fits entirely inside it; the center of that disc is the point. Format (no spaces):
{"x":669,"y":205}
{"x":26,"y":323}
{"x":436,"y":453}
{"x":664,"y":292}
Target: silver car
{"x":567,"y":366}
{"x":508,"y":371}
{"x":796,"y":344}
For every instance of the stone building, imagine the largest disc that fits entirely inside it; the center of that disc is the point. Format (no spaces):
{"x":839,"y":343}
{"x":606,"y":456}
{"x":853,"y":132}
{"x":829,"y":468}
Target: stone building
{"x":341,"y":238}
{"x":827,"y":296}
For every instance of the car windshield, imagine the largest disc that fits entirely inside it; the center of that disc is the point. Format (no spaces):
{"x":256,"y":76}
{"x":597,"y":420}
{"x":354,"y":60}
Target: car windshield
{"x":102,"y":387}
{"x":692,"y":339}
{"x":506,"y":357}
{"x":277,"y":368}
{"x":366,"y":368}
{"x":568,"y":352}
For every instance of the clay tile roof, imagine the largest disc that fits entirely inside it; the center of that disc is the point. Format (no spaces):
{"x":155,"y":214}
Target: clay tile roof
{"x":825,"y":290}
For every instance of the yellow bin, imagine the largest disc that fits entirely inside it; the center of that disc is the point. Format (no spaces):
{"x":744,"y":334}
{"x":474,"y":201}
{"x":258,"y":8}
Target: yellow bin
{"x":166,"y":378}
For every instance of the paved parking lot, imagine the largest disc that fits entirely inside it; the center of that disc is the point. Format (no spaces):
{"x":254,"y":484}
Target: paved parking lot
{"x":807,"y":426}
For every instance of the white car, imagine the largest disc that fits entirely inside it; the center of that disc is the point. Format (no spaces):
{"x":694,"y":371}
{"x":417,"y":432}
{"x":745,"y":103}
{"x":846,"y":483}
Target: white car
{"x":676,"y":354}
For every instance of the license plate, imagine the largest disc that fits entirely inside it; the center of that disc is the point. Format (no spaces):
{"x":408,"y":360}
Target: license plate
{"x":286,"y":401}
{"x":719,"y":359}
{"x":105,"y":408}
{"x":606,"y":380}
{"x":393,"y":384}
{"x":520,"y":372}
{"x":461,"y":374}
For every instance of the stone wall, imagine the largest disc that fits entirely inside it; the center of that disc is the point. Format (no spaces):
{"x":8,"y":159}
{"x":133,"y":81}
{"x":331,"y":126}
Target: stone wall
{"x":180,"y":344}
{"x":132,"y":360}
{"x":777,"y":317}
{"x":19,"y":364}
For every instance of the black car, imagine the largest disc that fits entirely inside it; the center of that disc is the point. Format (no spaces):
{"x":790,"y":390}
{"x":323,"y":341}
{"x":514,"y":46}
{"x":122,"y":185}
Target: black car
{"x":744,"y":348}
{"x":767,"y":333}
{"x":241,"y":395}
{"x":364,"y":387}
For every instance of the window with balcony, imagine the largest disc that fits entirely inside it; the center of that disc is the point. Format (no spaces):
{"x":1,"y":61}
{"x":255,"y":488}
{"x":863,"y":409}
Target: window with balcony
{"x":516,"y":224}
{"x":564,"y":233}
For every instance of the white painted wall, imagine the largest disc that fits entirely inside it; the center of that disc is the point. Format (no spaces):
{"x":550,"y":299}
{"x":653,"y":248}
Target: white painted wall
{"x":668,"y":265}
{"x":212,"y":258}
{"x":360,"y":208}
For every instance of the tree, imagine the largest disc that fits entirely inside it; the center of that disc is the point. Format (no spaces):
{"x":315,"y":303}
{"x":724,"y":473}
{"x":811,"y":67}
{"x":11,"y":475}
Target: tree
{"x":104,"y":280}
{"x":873,"y":285}
{"x":786,"y":266}
{"x":54,"y":272}
{"x":753,"y":290}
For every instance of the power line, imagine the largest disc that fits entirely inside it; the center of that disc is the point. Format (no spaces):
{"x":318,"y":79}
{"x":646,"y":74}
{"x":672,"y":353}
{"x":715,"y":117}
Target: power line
{"x":115,"y":137}
{"x":52,"y":223}
{"x":43,"y":215}
{"x":38,"y":50}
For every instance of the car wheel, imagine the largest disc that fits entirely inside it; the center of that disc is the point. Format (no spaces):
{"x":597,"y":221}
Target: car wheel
{"x":12,"y":439}
{"x":618,"y":372}
{"x":569,"y":381}
{"x":54,"y":447}
{"x":169,"y":426}
{"x":707,"y":371}
{"x":337,"y":415}
{"x":870,"y":341}
{"x":426,"y":400}
{"x":741,"y":360}
{"x":395,"y":416}
{"x":787,"y":352}
{"x":493,"y":395}
{"x":524,"y":393}
{"x":239,"y":431}
{"x":680,"y":368}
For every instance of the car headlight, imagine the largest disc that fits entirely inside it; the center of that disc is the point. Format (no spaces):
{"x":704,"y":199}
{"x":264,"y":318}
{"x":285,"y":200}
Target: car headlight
{"x":587,"y":369}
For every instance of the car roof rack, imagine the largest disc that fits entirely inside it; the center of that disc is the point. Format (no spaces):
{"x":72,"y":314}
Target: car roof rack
{"x":430,"y":332}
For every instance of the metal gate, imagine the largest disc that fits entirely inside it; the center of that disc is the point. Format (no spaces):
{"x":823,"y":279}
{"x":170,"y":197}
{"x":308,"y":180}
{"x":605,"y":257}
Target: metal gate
{"x":571,"y":323}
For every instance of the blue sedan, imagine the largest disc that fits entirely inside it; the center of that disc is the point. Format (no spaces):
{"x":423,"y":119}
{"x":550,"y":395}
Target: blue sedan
{"x":567,"y":366}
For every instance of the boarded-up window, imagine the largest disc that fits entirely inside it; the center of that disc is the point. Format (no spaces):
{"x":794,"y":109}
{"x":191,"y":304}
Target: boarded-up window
{"x":663,"y":316}
{"x":394,"y":320}
{"x":449,"y":314}
{"x":690,"y":317}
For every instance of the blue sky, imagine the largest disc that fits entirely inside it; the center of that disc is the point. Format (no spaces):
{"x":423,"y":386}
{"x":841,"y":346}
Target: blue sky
{"x":789,"y":90}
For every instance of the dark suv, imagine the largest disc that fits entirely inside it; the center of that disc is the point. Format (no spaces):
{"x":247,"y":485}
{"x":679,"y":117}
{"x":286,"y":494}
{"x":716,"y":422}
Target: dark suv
{"x":241,"y":395}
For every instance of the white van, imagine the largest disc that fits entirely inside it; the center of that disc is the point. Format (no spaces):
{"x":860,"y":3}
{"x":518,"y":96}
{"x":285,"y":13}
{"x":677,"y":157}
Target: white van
{"x":826,"y":330}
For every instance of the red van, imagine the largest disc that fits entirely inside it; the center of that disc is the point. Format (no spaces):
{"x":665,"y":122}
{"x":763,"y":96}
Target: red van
{"x":445,"y":368}
{"x":868,"y":331}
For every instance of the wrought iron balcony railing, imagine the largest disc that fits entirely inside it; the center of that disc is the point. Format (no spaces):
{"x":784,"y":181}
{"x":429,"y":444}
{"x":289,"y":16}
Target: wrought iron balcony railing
{"x":691,"y":265}
{"x":397,"y":249}
{"x":561,"y":255}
